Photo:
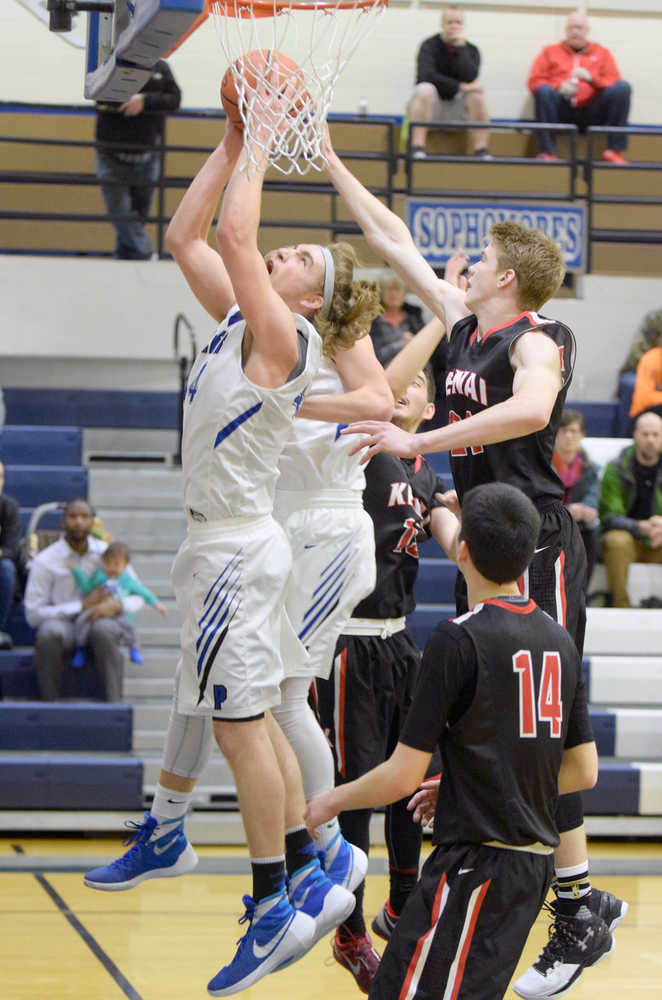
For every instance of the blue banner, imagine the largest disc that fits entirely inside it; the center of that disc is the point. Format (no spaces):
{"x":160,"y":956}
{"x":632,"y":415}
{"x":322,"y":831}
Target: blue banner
{"x":439,"y":228}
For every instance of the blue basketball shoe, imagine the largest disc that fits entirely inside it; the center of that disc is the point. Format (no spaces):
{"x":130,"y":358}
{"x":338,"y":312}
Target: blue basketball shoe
{"x":164,"y":856}
{"x":344,"y":863}
{"x":277,"y":934}
{"x":312,"y":892}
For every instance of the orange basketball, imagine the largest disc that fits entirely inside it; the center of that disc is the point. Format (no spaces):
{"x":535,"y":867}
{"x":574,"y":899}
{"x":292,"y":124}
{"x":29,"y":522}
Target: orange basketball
{"x":277,"y":69}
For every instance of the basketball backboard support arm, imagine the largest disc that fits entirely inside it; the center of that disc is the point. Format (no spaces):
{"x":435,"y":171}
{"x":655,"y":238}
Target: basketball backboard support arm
{"x":60,"y":12}
{"x":124,"y":46}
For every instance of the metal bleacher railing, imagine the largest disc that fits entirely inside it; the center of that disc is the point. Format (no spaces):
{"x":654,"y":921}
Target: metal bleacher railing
{"x":34,"y":159}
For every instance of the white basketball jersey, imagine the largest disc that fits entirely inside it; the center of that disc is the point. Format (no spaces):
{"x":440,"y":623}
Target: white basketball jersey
{"x":316,"y":454}
{"x":234,"y":430}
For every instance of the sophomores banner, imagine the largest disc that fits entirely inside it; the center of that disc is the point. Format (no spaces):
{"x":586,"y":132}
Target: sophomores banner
{"x":439,"y":228}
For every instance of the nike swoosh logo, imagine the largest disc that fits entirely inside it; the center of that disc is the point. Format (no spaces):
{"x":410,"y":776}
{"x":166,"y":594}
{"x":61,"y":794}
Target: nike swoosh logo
{"x":177,"y":802}
{"x":535,"y":551}
{"x":311,"y":546}
{"x":463,"y":871}
{"x":262,"y":950}
{"x":160,"y":850}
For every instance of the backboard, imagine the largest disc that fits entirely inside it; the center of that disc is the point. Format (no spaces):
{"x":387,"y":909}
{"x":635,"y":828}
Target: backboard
{"x":123,"y":47}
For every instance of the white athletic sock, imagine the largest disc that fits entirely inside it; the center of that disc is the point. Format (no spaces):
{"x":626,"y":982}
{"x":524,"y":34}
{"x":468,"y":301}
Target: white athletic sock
{"x":327,"y":832}
{"x":168,"y":805}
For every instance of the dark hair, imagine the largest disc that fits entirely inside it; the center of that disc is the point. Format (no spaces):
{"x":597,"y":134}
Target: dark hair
{"x":572,"y":417}
{"x":432,"y":385}
{"x":500,"y":526}
{"x":70,"y":503}
{"x":117,"y":549}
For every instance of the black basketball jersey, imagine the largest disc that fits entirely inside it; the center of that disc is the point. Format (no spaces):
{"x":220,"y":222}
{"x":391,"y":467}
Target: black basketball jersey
{"x":479,"y":374}
{"x":497,"y":693}
{"x":399,"y":495}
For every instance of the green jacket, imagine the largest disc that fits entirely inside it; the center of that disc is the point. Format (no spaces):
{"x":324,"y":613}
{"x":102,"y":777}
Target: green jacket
{"x":617,"y":494}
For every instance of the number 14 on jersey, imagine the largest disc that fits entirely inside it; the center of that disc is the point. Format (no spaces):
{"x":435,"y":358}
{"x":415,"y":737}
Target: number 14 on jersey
{"x":548,"y":707}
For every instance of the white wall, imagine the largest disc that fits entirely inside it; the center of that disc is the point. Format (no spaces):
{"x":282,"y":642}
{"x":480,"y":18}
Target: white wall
{"x":86,"y":323}
{"x":37,"y":66}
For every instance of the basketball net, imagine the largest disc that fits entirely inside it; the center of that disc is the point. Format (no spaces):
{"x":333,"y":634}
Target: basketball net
{"x":321,"y":36}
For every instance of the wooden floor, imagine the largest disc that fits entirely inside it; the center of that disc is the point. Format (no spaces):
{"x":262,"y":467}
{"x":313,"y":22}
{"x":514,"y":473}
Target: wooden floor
{"x":165,"y":939}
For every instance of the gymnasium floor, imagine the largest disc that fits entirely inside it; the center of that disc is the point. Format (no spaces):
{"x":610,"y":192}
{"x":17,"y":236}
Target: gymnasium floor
{"x":165,"y":939}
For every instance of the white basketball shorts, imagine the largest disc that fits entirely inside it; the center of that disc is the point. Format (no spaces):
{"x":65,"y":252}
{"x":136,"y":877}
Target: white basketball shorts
{"x":333,"y":568}
{"x":229,"y":578}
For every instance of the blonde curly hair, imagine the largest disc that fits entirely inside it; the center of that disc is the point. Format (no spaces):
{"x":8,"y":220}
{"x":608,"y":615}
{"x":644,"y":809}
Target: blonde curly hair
{"x":353,"y":306}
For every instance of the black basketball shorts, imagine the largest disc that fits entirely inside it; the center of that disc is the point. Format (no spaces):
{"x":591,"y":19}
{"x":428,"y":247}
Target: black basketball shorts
{"x":464,"y":926}
{"x":363,"y":704}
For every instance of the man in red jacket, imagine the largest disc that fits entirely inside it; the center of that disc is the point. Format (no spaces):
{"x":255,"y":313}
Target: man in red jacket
{"x":578,"y":82}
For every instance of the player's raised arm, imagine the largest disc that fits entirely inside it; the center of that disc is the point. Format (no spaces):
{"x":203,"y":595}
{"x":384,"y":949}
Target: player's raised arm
{"x":536,"y":383}
{"x":366,"y":394}
{"x":389,"y":236}
{"x":186,"y":237}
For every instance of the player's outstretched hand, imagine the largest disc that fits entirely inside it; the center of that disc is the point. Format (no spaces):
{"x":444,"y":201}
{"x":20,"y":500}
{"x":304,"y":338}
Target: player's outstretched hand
{"x":380,"y":435}
{"x":455,"y":266}
{"x":319,"y":810}
{"x":424,"y":802}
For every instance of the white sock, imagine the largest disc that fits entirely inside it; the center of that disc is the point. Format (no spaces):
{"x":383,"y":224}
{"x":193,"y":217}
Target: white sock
{"x":327,"y":832}
{"x":168,"y":805}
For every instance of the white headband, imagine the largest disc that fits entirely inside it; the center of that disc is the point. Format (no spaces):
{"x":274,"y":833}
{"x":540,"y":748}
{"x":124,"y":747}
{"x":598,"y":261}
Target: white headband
{"x":329,"y":277}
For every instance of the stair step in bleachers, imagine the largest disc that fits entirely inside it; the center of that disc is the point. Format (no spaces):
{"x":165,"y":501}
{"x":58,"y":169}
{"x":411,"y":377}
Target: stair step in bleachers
{"x":626,"y":789}
{"x":70,"y":781}
{"x":29,"y":445}
{"x":127,"y":444}
{"x":162,"y":524}
{"x":31,"y":485}
{"x":18,"y":678}
{"x":92,"y":407}
{"x":61,"y":726}
{"x":634,"y":733}
{"x":624,"y":680}
{"x":623,"y":631}
{"x":153,"y":489}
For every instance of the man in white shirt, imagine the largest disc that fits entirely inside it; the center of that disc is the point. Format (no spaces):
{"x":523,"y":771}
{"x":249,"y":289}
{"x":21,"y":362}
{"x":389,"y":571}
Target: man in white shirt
{"x":53,"y":601}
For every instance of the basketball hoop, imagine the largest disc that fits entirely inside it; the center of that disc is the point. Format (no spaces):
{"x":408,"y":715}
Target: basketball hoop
{"x":321,"y":36}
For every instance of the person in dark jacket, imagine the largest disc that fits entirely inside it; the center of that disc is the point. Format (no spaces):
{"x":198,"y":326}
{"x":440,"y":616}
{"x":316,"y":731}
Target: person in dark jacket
{"x":580,"y":481}
{"x":631,"y":506}
{"x":128,"y":160}
{"x":10,"y":532}
{"x":447,"y":87}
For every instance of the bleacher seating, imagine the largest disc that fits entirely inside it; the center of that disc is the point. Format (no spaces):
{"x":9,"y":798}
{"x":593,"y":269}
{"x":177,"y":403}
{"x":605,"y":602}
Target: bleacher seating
{"x":41,"y":725}
{"x":26,"y":445}
{"x":31,"y":485}
{"x":70,"y":781}
{"x":91,"y":407}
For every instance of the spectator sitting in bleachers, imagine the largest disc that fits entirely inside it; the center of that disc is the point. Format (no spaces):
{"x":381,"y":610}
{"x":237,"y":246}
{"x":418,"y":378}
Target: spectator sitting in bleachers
{"x":577,"y":81}
{"x":580,"y":481}
{"x":647,"y":395}
{"x":10,"y":530}
{"x":52,"y":602}
{"x":631,"y":506}
{"x":114,"y":580}
{"x":397,"y":323}
{"x":447,"y":87}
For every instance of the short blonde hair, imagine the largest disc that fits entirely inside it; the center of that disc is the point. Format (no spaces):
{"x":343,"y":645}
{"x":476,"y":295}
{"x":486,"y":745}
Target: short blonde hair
{"x":536,"y":260}
{"x":353,"y":306}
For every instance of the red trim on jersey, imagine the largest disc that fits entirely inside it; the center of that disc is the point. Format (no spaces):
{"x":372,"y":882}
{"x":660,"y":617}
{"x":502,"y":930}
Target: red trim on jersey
{"x":413,"y":964}
{"x":467,"y":941}
{"x":564,"y":603}
{"x":340,"y":712}
{"x":518,"y":609}
{"x":511,"y":322}
{"x":418,"y":462}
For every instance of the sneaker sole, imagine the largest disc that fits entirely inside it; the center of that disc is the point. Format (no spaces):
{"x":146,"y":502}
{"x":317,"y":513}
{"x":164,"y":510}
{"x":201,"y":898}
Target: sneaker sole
{"x":335,"y":915}
{"x":616,"y":921}
{"x":381,"y":930}
{"x":184,"y":864}
{"x":565,"y":989}
{"x":298,"y":941}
